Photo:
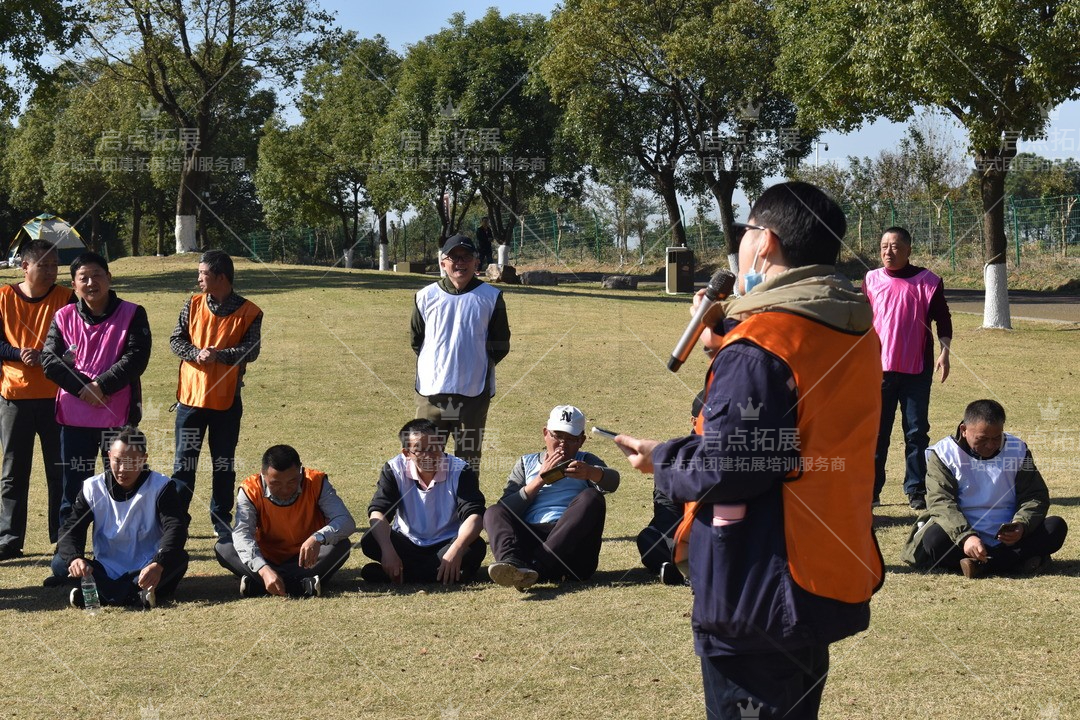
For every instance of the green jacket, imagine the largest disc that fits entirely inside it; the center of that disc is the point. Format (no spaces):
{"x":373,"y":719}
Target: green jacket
{"x":943,"y":504}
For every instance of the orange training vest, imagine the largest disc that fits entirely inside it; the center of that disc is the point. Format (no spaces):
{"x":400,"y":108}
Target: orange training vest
{"x":281,"y":530}
{"x":25,"y":326}
{"x":213,"y":386}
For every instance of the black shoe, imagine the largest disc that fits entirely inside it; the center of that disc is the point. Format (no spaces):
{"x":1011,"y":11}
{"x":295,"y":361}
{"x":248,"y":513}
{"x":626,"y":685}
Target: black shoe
{"x":972,"y":568}
{"x":373,"y":573}
{"x":670,"y":575}
{"x":10,"y":552}
{"x":311,"y":586}
{"x":917,"y":502}
{"x":1035,"y":565}
{"x":56,"y":581}
{"x":148,"y":598}
{"x":75,"y":598}
{"x":251,"y":587}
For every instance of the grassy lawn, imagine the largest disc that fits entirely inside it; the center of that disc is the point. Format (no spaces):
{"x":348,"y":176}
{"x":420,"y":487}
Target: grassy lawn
{"x":335,"y":380}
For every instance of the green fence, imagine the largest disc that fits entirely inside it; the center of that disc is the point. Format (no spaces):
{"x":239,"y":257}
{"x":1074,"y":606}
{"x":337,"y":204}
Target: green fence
{"x":948,"y":230}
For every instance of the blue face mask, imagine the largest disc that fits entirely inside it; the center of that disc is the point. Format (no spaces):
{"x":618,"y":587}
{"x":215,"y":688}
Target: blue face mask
{"x":753,"y":278}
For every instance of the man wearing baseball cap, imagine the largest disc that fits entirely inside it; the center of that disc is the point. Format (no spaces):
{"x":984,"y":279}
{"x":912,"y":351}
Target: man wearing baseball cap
{"x":459,"y":333}
{"x":550,"y":521}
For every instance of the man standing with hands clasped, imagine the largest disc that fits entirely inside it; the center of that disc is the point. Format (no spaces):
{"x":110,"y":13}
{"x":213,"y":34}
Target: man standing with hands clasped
{"x":782,"y":554}
{"x":217,"y":335}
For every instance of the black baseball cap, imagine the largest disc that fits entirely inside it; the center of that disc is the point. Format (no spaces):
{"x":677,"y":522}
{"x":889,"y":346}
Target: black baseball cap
{"x":462,"y":241}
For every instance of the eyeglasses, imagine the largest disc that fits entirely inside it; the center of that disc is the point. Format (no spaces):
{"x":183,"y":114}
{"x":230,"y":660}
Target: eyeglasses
{"x":739,"y":229}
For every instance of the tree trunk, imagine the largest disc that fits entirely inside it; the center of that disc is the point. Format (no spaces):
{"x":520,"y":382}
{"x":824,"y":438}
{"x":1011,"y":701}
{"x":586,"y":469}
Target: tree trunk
{"x":665,"y":183}
{"x":384,"y":261}
{"x":723,"y":188}
{"x":995,"y":274}
{"x":192,"y":182}
{"x":136,"y":225}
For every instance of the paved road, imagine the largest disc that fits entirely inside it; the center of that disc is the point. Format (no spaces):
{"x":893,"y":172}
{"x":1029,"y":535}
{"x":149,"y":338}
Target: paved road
{"x":1023,"y":304}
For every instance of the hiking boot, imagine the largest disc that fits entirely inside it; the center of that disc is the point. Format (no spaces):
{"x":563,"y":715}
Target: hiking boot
{"x":373,"y":573}
{"x":972,"y":568}
{"x":507,"y":575}
{"x":311,"y":587}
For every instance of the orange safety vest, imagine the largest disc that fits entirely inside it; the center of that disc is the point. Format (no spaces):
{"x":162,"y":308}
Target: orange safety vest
{"x":282,"y":529}
{"x":213,"y":386}
{"x":25,"y":326}
{"x":831,"y":548}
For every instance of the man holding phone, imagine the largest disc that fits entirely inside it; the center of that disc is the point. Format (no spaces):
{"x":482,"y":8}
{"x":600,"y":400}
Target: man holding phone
{"x":986,"y":502}
{"x":549,"y":523}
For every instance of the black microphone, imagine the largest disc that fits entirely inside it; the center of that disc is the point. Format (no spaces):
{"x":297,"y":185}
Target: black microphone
{"x":720,"y":286}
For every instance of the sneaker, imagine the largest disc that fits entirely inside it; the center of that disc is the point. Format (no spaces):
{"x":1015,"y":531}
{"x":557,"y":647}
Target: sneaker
{"x":10,"y":553}
{"x":972,"y":568}
{"x":507,"y":575}
{"x":148,"y":598}
{"x":373,"y":573}
{"x":75,"y":598}
{"x":311,"y":586}
{"x":917,"y":502}
{"x":56,"y":581}
{"x":670,"y":575}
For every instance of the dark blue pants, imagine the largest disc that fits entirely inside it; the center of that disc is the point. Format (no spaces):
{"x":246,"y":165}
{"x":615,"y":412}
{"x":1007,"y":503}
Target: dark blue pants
{"x":421,"y":563}
{"x":777,"y":685}
{"x":1046,"y":539}
{"x":912,"y":394}
{"x":331,"y":558}
{"x":20,"y":422}
{"x":124,"y":590}
{"x":223,"y":428}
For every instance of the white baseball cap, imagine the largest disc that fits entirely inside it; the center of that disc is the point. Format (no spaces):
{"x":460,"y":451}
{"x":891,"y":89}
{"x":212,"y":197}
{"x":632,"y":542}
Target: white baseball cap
{"x":566,"y":418}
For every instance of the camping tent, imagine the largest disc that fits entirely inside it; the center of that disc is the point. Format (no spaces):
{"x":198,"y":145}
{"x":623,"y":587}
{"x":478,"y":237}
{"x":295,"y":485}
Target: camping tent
{"x":69,"y":244}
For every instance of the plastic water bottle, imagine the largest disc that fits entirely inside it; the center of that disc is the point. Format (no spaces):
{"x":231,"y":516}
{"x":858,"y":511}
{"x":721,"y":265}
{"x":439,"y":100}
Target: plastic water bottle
{"x":91,"y":603}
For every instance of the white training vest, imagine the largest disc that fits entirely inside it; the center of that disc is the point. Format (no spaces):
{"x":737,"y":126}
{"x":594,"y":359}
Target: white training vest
{"x":427,"y":517}
{"x":987,"y":488}
{"x":126,"y":534}
{"x":453,"y":358}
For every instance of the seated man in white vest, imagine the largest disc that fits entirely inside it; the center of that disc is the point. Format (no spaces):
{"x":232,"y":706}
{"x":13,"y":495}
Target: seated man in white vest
{"x":986,"y":502}
{"x":426,"y":514}
{"x":549,"y":523}
{"x":140,"y":529}
{"x":292,"y":530}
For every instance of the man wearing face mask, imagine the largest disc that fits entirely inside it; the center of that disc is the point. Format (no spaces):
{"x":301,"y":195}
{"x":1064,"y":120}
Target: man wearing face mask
{"x":292,"y":530}
{"x":779,"y":475}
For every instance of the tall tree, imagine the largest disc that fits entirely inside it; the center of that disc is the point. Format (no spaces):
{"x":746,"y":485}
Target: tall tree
{"x":29,"y":29}
{"x":187,"y":51}
{"x":997,"y":67}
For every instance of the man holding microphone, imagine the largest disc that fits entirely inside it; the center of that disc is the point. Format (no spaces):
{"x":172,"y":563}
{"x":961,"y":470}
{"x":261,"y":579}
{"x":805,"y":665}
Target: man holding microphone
{"x":779,"y":476}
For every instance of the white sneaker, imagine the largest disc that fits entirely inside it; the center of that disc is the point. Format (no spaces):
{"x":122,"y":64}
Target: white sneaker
{"x":508,"y":575}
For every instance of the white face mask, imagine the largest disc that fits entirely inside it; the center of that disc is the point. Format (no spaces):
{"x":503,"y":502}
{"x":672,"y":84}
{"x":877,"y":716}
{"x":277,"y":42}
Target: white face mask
{"x":753,"y":278}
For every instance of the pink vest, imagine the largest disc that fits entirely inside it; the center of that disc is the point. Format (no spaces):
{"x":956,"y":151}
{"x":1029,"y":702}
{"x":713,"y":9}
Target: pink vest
{"x":97,"y":348}
{"x":901,"y":317}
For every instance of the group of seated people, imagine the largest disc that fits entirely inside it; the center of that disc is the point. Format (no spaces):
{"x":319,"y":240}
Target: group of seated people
{"x":986,"y":513}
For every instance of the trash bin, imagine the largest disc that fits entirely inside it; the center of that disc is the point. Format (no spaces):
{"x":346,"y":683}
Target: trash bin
{"x":680,"y":270}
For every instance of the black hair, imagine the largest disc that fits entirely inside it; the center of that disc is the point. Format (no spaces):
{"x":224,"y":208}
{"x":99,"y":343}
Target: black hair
{"x":902,"y":233}
{"x":808,"y":222}
{"x":219,"y":263}
{"x":419,"y":426}
{"x":280,"y":457}
{"x":131,"y":436}
{"x":987,"y":411}
{"x":34,"y":250}
{"x":88,"y":258}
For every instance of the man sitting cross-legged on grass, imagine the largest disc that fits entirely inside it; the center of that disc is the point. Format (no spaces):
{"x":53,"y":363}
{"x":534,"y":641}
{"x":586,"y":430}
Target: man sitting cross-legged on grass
{"x":986,"y":502}
{"x":292,"y":530}
{"x":140,"y":529}
{"x":550,"y":521}
{"x":426,"y":514}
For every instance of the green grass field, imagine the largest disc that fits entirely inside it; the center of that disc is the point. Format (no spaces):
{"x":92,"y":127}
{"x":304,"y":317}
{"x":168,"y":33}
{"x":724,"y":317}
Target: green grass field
{"x":335,"y":380}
